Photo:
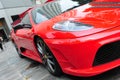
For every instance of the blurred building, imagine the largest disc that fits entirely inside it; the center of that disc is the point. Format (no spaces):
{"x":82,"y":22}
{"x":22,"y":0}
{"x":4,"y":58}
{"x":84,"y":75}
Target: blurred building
{"x":9,"y":11}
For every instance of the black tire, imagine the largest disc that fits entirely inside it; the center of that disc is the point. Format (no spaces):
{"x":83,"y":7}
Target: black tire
{"x":48,"y":58}
{"x":18,"y":51}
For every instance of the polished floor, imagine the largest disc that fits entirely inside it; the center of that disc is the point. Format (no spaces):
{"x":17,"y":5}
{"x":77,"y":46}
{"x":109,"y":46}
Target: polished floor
{"x":14,"y":68}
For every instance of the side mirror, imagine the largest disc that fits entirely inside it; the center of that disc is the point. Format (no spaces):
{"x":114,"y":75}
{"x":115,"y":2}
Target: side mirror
{"x":19,"y":26}
{"x":27,"y":26}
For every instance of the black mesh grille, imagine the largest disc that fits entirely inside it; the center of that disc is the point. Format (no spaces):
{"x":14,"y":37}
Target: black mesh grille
{"x":107,"y":53}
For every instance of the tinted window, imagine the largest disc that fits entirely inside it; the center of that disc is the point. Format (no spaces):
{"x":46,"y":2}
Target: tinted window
{"x":40,"y":17}
{"x":26,"y":20}
{"x":52,"y":9}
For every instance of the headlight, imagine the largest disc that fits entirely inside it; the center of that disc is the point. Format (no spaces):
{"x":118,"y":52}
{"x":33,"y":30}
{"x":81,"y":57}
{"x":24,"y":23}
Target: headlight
{"x":71,"y":26}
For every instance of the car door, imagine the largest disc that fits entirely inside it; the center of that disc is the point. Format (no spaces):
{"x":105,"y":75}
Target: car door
{"x":25,"y":37}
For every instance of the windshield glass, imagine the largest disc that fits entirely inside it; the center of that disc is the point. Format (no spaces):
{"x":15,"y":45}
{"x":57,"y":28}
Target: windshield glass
{"x":52,"y":9}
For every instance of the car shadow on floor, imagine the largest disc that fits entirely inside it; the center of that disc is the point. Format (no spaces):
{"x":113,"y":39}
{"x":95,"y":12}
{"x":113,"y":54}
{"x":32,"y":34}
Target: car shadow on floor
{"x":113,"y":74}
{"x":32,"y":63}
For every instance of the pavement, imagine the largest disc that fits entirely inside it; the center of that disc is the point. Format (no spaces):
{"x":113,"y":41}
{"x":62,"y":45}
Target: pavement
{"x":14,"y":68}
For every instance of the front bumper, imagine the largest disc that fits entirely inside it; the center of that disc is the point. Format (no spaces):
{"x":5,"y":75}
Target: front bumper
{"x":76,"y":56}
{"x":93,"y":70}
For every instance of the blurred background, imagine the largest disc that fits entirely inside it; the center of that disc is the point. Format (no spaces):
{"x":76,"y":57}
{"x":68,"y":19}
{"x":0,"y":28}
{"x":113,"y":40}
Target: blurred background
{"x":9,"y":11}
{"x":14,"y":68}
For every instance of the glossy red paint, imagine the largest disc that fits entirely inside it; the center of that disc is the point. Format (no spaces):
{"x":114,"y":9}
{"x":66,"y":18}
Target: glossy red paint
{"x":49,"y":1}
{"x":75,"y":51}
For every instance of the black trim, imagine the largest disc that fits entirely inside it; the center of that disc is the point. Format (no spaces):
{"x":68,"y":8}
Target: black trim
{"x":107,"y":53}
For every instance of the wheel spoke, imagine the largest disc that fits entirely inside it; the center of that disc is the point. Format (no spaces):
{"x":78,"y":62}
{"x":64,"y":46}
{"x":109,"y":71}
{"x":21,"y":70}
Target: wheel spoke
{"x":41,"y":44}
{"x":50,"y":66}
{"x":39,"y":47}
{"x":50,"y":57}
{"x":51,"y":62}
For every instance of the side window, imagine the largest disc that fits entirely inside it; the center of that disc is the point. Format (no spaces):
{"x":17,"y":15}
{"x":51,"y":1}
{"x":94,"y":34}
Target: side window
{"x":38,"y":17}
{"x":26,"y":21}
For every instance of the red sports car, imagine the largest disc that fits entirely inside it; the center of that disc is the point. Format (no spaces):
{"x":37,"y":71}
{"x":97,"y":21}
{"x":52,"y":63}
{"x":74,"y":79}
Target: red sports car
{"x":66,"y":37}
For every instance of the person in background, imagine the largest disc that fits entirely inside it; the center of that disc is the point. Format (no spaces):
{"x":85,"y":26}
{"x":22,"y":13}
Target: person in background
{"x":1,"y":39}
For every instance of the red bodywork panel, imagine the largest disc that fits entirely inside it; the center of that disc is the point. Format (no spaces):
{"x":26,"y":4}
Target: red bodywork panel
{"x":49,"y":1}
{"x":75,"y":51}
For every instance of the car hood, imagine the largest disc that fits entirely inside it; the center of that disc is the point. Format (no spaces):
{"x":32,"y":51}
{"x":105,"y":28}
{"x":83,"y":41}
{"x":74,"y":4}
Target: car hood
{"x":101,"y":16}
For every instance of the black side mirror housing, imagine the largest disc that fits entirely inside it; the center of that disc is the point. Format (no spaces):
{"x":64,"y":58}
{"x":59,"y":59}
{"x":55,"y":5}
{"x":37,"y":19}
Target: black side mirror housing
{"x":19,"y":26}
{"x":27,"y":26}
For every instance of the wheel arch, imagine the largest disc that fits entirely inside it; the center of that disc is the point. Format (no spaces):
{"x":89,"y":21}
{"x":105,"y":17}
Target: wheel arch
{"x":36,"y":36}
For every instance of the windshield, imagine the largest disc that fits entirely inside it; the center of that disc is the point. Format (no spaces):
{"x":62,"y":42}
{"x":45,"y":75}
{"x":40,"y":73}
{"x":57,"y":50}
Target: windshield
{"x":52,"y":9}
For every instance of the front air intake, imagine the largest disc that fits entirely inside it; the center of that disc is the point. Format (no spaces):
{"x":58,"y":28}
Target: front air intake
{"x":107,"y":53}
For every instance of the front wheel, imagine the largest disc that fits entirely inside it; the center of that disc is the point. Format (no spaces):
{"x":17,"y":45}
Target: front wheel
{"x":47,"y":57}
